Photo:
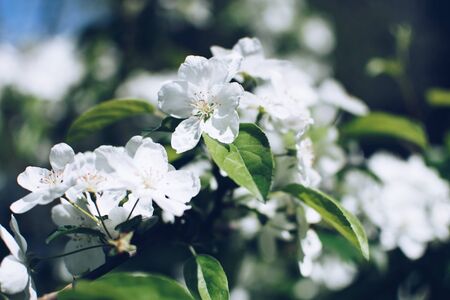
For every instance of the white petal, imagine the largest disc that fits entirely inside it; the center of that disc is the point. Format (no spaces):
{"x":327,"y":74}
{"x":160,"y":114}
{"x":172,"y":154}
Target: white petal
{"x":220,"y":51}
{"x":30,"y":291}
{"x":180,"y":185}
{"x":13,"y":276}
{"x":133,"y":144}
{"x":170,"y":206}
{"x":30,"y":179}
{"x":151,"y":156}
{"x":249,"y":47}
{"x":202,"y":72}
{"x":186,"y":135}
{"x":144,"y":207}
{"x":232,"y":59}
{"x":224,"y":129}
{"x":84,"y":261}
{"x":65,"y":214}
{"x":20,"y":206}
{"x":61,"y":155}
{"x":11,"y":243}
{"x":175,"y":98}
{"x":17,"y":235}
{"x":228,"y":97}
{"x":109,"y":200}
{"x":176,"y":189}
{"x":120,"y":162}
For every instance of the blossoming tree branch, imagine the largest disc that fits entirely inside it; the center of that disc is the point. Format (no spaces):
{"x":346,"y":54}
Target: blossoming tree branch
{"x":251,"y":134}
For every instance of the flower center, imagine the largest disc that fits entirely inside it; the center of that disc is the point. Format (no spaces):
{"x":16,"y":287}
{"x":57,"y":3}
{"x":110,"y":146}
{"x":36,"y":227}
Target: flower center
{"x":150,"y":178}
{"x":203,"y":108}
{"x":52,"y":178}
{"x":92,"y":179}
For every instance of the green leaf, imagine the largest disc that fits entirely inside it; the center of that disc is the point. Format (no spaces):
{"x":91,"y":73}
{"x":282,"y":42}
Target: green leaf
{"x":438,"y":97}
{"x":120,"y":286}
{"x":248,"y":160}
{"x":70,"y":229}
{"x":339,"y":245}
{"x":167,"y":124}
{"x":205,"y":278}
{"x":107,"y":113}
{"x":333,"y":213}
{"x":383,"y":125}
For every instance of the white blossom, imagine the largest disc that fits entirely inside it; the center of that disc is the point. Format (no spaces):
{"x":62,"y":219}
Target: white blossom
{"x":142,"y":167}
{"x":205,"y":98}
{"x":14,"y":272}
{"x":410,"y":205}
{"x":46,"y":185}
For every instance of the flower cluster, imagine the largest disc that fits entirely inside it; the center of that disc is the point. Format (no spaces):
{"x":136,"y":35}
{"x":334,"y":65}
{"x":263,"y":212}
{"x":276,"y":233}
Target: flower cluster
{"x":409,"y":211}
{"x":96,"y":191}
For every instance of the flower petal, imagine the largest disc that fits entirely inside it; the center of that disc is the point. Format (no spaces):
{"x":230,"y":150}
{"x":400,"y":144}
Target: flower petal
{"x":172,"y":207}
{"x":224,"y":129}
{"x":30,"y":290}
{"x":30,"y":179}
{"x":186,"y":135}
{"x":119,"y":162}
{"x":175,"y":98}
{"x":151,"y":156}
{"x":176,"y":189}
{"x":227,"y":98}
{"x":11,"y":243}
{"x":84,"y":261}
{"x":21,"y":206}
{"x":203,"y":72}
{"x":61,"y":155}
{"x":13,"y":276}
{"x":179,"y":185}
{"x":17,"y":235}
{"x":144,"y":207}
{"x":249,"y":47}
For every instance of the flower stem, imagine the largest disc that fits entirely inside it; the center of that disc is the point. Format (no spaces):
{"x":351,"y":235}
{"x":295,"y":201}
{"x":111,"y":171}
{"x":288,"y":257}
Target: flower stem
{"x":73,"y":252}
{"x":82,"y":210}
{"x":94,"y":199}
{"x":134,"y":206}
{"x":194,"y":253}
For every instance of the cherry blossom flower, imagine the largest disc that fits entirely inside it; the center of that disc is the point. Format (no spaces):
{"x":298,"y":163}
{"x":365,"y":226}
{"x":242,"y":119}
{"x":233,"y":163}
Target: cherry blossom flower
{"x":46,"y":185}
{"x":142,"y":167}
{"x":205,"y":98}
